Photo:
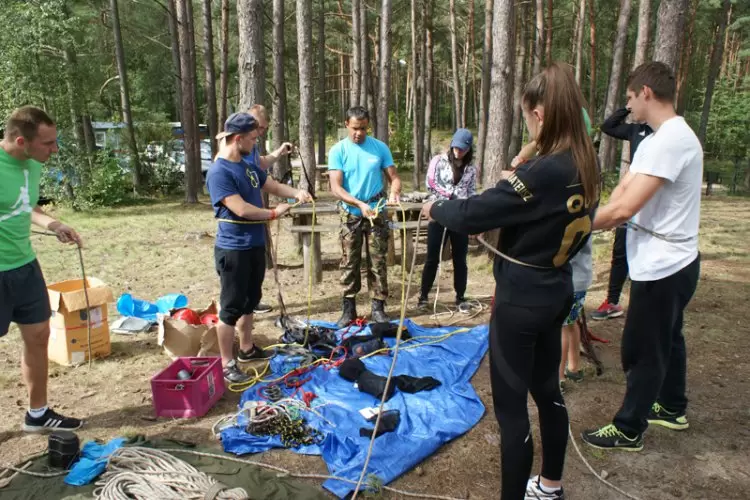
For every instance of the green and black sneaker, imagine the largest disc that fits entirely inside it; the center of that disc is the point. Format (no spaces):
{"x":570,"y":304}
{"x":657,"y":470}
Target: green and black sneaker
{"x":658,"y":415}
{"x":610,"y":437}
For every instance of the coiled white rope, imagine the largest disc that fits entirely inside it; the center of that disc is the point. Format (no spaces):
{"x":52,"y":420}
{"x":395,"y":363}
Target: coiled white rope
{"x":145,"y":473}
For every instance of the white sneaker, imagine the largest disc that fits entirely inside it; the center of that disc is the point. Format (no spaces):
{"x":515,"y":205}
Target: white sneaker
{"x":534,"y":491}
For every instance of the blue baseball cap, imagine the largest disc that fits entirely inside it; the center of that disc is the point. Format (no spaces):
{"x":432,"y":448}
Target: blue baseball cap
{"x":238,"y":123}
{"x":462,"y":139}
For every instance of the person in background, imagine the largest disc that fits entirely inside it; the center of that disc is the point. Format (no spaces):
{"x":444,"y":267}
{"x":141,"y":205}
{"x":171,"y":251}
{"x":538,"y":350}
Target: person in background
{"x":616,"y":126}
{"x":265,"y":162}
{"x":450,"y":176}
{"x":235,"y":186}
{"x":355,"y":169}
{"x":583,"y":272}
{"x":30,"y":139}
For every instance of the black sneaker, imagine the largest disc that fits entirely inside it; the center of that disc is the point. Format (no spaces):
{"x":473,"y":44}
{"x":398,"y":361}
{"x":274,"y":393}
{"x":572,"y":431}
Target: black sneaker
{"x":658,"y":415}
{"x":262,"y":308}
{"x":423,"y":303}
{"x":50,"y":421}
{"x":534,"y":491}
{"x":252,"y":355}
{"x":233,"y":374}
{"x":610,"y":437}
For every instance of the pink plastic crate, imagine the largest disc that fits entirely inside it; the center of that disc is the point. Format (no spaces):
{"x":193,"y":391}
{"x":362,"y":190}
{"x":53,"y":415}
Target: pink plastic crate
{"x":189,"y":398}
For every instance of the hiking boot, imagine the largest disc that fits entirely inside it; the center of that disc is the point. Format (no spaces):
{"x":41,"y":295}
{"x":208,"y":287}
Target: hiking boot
{"x":50,"y":421}
{"x":349,"y":314}
{"x":535,"y":491}
{"x":233,"y":374}
{"x":253,"y":354}
{"x":576,"y":376}
{"x":610,"y":437}
{"x":423,"y":303}
{"x":377,"y":313}
{"x":607,"y":311}
{"x":262,"y":308}
{"x":658,"y":415}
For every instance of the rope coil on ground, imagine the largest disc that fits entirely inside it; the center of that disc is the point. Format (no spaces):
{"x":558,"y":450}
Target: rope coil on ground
{"x":145,"y":473}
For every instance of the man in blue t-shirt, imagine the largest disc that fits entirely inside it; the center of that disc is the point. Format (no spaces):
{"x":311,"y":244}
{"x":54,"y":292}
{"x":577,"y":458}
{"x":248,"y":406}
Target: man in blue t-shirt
{"x":355,"y":168}
{"x":235,"y":187}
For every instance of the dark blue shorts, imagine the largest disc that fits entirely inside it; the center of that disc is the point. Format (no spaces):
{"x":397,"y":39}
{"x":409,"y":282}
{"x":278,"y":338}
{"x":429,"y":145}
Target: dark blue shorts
{"x":23,"y":296}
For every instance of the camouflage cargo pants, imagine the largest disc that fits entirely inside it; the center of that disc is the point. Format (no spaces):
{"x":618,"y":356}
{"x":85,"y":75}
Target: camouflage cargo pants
{"x":356,"y":233}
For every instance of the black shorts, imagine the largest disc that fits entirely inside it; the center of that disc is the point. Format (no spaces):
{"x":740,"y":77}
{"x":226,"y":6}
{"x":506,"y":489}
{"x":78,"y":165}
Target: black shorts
{"x":241,"y":273}
{"x":23,"y":297}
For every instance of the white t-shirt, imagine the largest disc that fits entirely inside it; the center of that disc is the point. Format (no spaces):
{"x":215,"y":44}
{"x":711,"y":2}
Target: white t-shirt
{"x":673,"y":153}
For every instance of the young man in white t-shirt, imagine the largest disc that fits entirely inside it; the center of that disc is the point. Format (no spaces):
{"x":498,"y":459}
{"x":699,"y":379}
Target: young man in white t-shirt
{"x":659,"y":199}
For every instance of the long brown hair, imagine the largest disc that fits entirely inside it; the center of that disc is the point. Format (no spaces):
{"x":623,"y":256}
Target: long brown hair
{"x":563,"y":128}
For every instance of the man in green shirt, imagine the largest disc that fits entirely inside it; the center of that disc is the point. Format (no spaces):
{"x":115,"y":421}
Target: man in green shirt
{"x":30,"y":139}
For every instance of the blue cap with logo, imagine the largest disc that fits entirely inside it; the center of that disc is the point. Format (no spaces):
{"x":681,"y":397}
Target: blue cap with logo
{"x":238,"y":123}
{"x":462,"y":139}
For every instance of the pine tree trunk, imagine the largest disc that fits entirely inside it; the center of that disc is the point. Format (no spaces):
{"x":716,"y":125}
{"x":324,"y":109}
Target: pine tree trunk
{"x":429,"y":79}
{"x":71,"y":79}
{"x":418,"y":99}
{"x":127,"y":117}
{"x":465,"y":79}
{"x":278,"y":119}
{"x":484,"y":108}
{"x":580,"y":21}
{"x":641,"y":49}
{"x":685,"y":60}
{"x":518,"y":81}
{"x":365,"y":98}
{"x":208,"y":61}
{"x":592,"y":59}
{"x":251,"y":73}
{"x":713,"y":70}
{"x":224,"y":63}
{"x":306,"y":84}
{"x":193,"y":60}
{"x":454,"y":66}
{"x":189,"y":116}
{"x":501,"y":95}
{"x":174,"y":36}
{"x":539,"y":38}
{"x":669,"y":25}
{"x":321,"y":66}
{"x":644,"y":33}
{"x":726,"y":49}
{"x":386,"y":53}
{"x":548,"y":44}
{"x":608,"y":147}
{"x":474,"y":94}
{"x":356,"y":85}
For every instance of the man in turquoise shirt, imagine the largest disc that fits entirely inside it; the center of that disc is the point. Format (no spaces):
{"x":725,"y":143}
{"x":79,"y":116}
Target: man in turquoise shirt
{"x":356,"y":166}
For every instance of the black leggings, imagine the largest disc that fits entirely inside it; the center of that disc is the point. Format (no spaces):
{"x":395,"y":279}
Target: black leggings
{"x":525,"y":357}
{"x":459,"y":249}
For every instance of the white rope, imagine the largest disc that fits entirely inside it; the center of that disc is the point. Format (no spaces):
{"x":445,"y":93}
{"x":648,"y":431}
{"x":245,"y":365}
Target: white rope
{"x":145,"y":473}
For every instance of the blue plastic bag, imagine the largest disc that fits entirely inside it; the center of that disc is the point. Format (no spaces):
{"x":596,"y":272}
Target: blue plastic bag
{"x":127,"y":305}
{"x":93,"y":461}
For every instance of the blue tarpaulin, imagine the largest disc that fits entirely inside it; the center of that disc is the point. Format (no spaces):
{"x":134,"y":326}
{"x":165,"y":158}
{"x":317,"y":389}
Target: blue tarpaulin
{"x":428,"y":419}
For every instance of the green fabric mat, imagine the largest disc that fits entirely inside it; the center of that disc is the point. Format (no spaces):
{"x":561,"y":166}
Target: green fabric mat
{"x":260,"y":484}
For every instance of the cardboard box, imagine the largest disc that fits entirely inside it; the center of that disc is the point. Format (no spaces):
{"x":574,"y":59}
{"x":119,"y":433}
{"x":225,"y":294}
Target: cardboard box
{"x":181,"y":339}
{"x":68,"y":344}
